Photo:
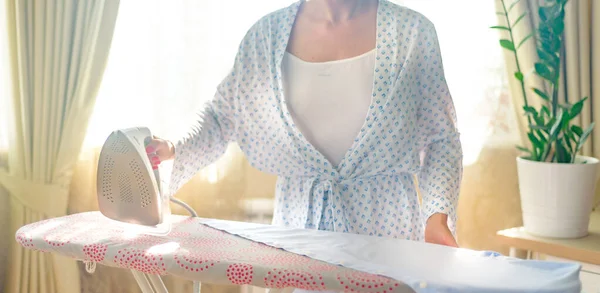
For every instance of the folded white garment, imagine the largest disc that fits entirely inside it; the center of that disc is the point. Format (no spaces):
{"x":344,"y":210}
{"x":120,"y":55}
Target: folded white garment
{"x":424,"y":267}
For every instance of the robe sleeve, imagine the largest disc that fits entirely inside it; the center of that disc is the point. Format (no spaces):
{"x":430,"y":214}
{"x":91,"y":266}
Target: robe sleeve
{"x":215,"y":127}
{"x":441,"y":152}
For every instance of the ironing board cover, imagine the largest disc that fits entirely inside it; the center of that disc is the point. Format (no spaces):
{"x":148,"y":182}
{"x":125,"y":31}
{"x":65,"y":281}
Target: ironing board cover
{"x":200,"y":249}
{"x":193,"y":251}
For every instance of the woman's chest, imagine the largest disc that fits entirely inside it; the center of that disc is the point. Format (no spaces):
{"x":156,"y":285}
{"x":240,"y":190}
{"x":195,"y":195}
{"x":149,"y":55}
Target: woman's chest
{"x":273,"y":136}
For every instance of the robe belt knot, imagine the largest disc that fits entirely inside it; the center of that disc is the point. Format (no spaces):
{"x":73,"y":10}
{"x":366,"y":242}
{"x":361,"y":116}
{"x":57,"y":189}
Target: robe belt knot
{"x":324,"y":192}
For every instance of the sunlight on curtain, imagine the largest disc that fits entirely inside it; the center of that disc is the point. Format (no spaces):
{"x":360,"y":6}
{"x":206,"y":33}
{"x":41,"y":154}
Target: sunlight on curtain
{"x":166,"y":61}
{"x":5,"y":115}
{"x":474,"y":67}
{"x":5,"y":85}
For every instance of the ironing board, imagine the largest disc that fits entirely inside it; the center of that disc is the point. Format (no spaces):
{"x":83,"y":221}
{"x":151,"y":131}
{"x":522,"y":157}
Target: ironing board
{"x":226,"y":252}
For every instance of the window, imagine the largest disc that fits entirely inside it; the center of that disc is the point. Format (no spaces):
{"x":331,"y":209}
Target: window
{"x":475,"y":70}
{"x":166,"y":60}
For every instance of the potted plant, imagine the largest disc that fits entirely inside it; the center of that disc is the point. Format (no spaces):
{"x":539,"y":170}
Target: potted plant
{"x":556,"y":184}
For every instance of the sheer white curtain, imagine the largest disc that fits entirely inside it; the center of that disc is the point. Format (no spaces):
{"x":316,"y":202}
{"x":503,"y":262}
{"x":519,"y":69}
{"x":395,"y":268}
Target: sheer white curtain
{"x":166,"y":60}
{"x":475,"y":70}
{"x":165,"y":63}
{"x":4,"y":81}
{"x":5,"y":117}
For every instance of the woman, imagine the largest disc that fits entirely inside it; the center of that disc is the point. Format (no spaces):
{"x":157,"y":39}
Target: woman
{"x":344,"y":100}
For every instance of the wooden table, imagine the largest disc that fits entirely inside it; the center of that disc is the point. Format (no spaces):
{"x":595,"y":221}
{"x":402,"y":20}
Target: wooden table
{"x":584,"y":250}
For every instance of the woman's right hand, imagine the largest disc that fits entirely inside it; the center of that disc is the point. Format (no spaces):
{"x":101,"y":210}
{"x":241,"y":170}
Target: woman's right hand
{"x":159,"y":150}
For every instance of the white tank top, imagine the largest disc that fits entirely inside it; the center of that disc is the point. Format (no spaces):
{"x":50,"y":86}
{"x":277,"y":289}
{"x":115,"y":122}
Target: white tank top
{"x":329,"y":100}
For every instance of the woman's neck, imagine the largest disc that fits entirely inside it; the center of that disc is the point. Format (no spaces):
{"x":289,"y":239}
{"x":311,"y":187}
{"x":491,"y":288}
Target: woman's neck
{"x":336,"y":11}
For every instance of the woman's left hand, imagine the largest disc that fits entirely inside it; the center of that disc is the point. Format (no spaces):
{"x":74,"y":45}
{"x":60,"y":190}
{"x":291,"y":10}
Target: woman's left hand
{"x":437,"y":231}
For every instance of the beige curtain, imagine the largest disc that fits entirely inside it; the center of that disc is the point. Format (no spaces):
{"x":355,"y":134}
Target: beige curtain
{"x":582,"y":35}
{"x":58,"y":51}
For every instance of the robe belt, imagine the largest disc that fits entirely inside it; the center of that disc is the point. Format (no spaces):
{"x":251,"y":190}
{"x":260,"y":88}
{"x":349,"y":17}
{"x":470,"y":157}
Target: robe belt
{"x":47,"y":199}
{"x":317,"y":189}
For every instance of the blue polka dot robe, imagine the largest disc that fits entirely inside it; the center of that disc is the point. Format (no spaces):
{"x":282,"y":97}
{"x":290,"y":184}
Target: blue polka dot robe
{"x":409,"y":133}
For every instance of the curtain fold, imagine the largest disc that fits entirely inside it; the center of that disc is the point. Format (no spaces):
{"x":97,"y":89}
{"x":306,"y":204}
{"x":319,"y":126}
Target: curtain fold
{"x":58,"y":52}
{"x":577,"y":75}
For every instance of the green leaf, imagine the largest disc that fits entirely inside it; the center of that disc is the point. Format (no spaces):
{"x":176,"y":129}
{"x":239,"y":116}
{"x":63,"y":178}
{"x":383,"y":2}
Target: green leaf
{"x":530,"y":110}
{"x":541,"y":136}
{"x":534,"y":141}
{"x":544,"y":13}
{"x":545,"y":36}
{"x":555,"y":9}
{"x":577,"y":130}
{"x":549,"y":58}
{"x":541,"y":94}
{"x":552,"y":45}
{"x":543,"y":71}
{"x":524,"y":40}
{"x":570,"y":137}
{"x":577,"y":107}
{"x":507,"y":44}
{"x":565,"y":121}
{"x":512,"y":5}
{"x":524,"y":149}
{"x":556,"y":126}
{"x":545,"y":110}
{"x":551,"y":122}
{"x":562,"y":155}
{"x":500,"y":27}
{"x":558,"y":27}
{"x":538,"y":127}
{"x":587,"y":131}
{"x":584,"y":136}
{"x":539,"y":120}
{"x":519,"y":76}
{"x":519,"y":19}
{"x":501,"y":13}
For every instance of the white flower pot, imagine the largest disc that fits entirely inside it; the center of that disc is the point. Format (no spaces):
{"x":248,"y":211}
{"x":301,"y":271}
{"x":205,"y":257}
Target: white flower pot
{"x":557,"y":199}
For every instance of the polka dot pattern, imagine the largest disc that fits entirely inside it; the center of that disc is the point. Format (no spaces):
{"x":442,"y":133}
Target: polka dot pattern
{"x":409,"y":133}
{"x":240,"y":274}
{"x":283,"y":278}
{"x":140,"y":260}
{"x":362,"y":282}
{"x":193,"y":251}
{"x":95,"y":252}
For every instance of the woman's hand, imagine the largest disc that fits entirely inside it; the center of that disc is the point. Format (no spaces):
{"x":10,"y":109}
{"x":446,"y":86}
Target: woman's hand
{"x":159,"y":150}
{"x":437,"y":231}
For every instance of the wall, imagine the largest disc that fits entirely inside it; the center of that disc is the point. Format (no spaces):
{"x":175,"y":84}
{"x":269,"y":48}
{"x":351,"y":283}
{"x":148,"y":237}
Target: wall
{"x":489,"y":199}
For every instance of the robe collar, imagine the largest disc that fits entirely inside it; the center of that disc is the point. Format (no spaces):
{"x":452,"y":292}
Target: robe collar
{"x":385,"y":73}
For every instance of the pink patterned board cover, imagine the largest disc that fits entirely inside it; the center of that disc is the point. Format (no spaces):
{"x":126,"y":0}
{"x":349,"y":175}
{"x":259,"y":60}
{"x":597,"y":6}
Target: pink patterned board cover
{"x":194,"y":251}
